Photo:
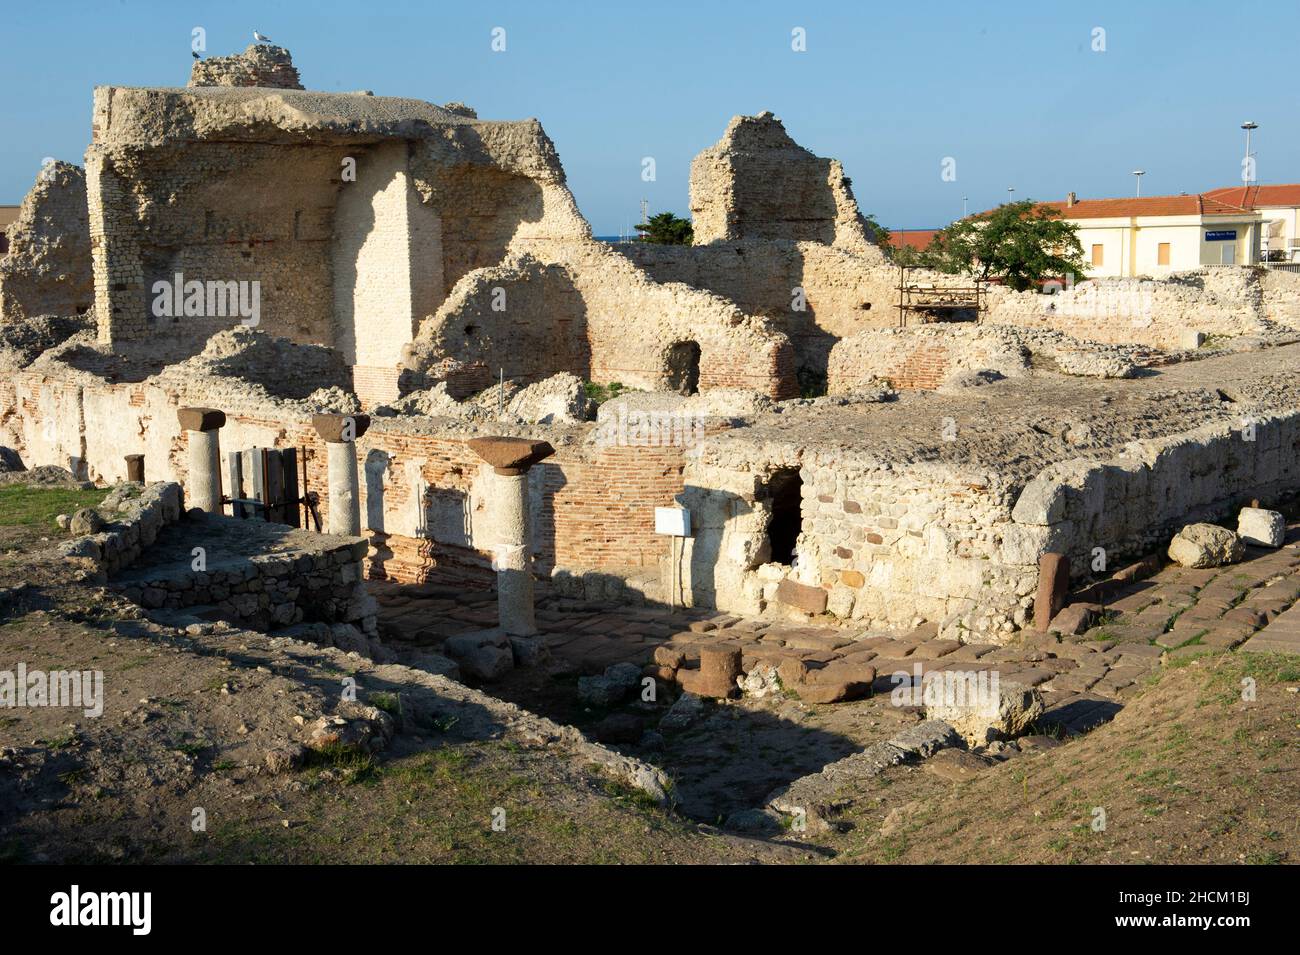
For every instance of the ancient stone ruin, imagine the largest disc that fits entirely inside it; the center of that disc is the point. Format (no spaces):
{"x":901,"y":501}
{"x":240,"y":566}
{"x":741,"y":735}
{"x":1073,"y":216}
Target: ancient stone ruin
{"x":407,"y":295}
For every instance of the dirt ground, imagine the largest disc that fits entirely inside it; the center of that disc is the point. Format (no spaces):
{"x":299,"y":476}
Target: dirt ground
{"x":1188,"y":771}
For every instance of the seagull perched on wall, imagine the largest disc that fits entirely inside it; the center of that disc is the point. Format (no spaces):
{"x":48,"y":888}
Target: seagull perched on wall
{"x":261,"y":39}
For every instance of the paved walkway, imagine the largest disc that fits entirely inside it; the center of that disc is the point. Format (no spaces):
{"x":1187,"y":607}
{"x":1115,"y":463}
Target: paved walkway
{"x":1280,"y":636}
{"x":1084,"y":678}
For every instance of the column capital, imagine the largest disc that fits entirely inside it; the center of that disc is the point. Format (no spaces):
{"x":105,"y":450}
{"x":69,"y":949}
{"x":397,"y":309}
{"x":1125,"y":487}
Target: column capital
{"x":510,"y":456}
{"x":201,"y":419}
{"x":340,"y":428}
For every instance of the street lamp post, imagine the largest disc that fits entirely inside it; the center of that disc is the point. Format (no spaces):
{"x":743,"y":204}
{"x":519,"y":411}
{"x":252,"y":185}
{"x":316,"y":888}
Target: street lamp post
{"x":1247,"y":168}
{"x":1138,"y":174}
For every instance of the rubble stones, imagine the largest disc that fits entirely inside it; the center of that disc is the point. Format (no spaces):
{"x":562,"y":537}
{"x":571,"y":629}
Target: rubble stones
{"x":284,"y":758}
{"x":85,"y":521}
{"x":529,"y":651}
{"x":1008,"y":713}
{"x":611,"y":687}
{"x":1205,"y":545}
{"x":353,"y":726}
{"x":685,"y":710}
{"x":484,"y":655}
{"x":1075,"y":618}
{"x":619,"y":728}
{"x":956,"y":765}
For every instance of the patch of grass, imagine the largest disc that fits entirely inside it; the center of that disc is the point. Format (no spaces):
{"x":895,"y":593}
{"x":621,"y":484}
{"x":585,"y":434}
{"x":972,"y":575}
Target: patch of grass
{"x":443,"y":724}
{"x":28,"y":506}
{"x":601,"y":393}
{"x":65,"y":741}
{"x":74,"y":777}
{"x":351,"y":764}
{"x":390,"y":703}
{"x":191,"y":747}
{"x":1270,"y":857}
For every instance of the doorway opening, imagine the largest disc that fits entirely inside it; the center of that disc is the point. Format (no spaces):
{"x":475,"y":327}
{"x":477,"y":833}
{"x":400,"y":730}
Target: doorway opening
{"x":786,"y":490}
{"x":684,"y":368}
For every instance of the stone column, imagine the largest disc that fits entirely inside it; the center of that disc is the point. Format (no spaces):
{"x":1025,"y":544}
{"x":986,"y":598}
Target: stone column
{"x":340,"y":433}
{"x":135,"y":467}
{"x":510,"y":459}
{"x":203,"y":487}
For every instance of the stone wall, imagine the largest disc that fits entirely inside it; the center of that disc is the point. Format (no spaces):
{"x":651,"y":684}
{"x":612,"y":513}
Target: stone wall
{"x":1226,"y":301}
{"x":298,"y":577}
{"x":259,"y":65}
{"x":132,"y":531}
{"x":928,"y":356}
{"x":810,"y":292}
{"x":343,"y":208}
{"x":580,"y":307}
{"x":758,"y":183}
{"x":940,"y":509}
{"x":423,"y":492}
{"x":897,"y":525}
{"x":47,"y":269}
{"x":1133,"y":503}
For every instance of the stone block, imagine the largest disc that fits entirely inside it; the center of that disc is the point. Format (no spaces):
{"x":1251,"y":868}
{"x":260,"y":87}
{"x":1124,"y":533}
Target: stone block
{"x":1261,"y":527}
{"x":1053,"y":583}
{"x":801,"y":596}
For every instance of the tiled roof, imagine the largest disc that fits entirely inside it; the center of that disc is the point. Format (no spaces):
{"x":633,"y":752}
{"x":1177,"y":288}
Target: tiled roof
{"x":1253,"y":197}
{"x":918,"y":239}
{"x":1184,"y":205}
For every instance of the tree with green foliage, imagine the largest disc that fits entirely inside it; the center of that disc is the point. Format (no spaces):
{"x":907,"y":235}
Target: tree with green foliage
{"x":666,"y":229}
{"x":877,"y":233}
{"x":1021,"y":243}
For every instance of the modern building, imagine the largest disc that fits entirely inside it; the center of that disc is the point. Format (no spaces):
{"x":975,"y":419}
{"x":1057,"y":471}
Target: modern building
{"x":1156,"y":235}
{"x":916,"y":239}
{"x":1279,"y":205}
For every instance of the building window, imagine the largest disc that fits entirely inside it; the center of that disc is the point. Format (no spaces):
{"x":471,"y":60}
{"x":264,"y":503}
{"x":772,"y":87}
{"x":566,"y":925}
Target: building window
{"x":1162,"y":253}
{"x":1096,"y":255}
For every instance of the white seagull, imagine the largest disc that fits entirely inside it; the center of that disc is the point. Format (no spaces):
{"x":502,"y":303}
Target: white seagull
{"x":261,"y":39}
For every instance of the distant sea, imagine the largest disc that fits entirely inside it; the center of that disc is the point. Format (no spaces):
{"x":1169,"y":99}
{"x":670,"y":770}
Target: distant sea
{"x":614,"y":238}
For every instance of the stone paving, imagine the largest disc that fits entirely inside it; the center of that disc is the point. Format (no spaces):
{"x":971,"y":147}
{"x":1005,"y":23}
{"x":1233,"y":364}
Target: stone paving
{"x":727,"y":758}
{"x":1175,"y":613}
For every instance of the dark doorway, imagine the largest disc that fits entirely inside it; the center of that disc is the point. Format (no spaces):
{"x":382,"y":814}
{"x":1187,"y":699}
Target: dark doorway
{"x":684,"y":368}
{"x":786,"y":490}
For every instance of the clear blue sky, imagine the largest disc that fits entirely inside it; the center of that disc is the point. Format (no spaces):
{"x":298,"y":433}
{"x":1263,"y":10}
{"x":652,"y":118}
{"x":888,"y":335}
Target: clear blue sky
{"x":1012,"y":91}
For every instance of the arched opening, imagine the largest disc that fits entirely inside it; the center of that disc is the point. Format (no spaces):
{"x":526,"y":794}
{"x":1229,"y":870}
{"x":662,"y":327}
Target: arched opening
{"x":684,"y":368}
{"x":785,"y":488}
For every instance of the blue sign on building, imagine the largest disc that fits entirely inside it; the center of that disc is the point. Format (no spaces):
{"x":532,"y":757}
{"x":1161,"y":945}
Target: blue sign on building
{"x":1221,"y":235}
